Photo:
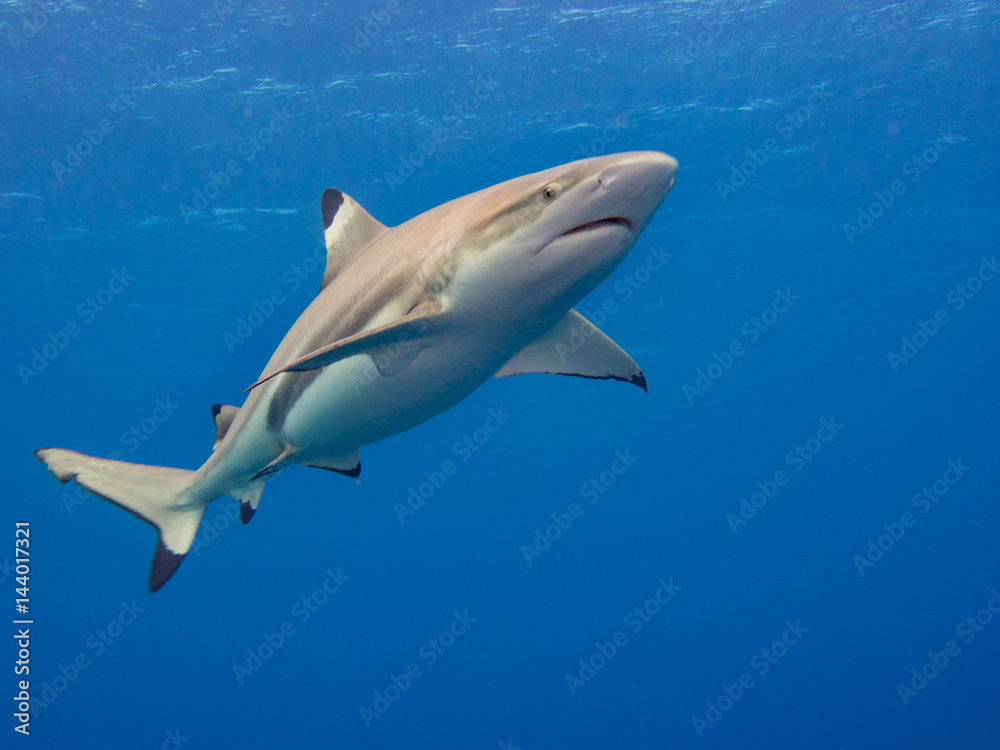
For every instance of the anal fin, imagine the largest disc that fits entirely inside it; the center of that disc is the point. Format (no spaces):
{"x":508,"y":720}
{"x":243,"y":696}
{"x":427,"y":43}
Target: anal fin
{"x":249,"y":497}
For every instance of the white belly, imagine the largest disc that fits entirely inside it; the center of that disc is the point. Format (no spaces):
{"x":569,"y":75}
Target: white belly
{"x":350,"y":404}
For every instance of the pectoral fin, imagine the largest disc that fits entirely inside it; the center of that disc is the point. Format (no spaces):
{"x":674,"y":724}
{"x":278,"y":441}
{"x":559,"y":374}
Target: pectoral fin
{"x":405,"y":334}
{"x":285,"y":458}
{"x":575,"y":346}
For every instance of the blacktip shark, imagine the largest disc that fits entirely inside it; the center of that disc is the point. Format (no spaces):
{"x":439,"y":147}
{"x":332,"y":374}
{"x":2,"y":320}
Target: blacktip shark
{"x":409,"y":321}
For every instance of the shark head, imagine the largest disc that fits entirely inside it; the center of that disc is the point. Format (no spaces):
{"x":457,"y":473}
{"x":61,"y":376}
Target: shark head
{"x":548,"y":239}
{"x":592,"y":211}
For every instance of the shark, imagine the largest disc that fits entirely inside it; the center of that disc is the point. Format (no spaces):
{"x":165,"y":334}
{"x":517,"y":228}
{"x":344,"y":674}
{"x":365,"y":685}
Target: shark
{"x":409,"y":321}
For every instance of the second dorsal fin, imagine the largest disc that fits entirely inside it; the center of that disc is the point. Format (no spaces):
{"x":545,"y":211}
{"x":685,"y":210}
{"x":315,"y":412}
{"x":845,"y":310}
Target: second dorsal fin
{"x":347,"y":228}
{"x":223,"y":415}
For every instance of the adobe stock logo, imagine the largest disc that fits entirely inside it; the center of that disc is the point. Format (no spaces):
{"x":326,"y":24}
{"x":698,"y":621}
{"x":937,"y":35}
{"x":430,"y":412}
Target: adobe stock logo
{"x":98,"y":641}
{"x":796,"y":459}
{"x":429,"y":652}
{"x":372,"y":28}
{"x":635,"y":620}
{"x":753,"y":329}
{"x":87,"y":311}
{"x":938,"y":661}
{"x":592,"y":490}
{"x":31,"y":25}
{"x":915,"y":167}
{"x":761,"y":662}
{"x":119,"y":109}
{"x":899,"y":17}
{"x":600,"y":143}
{"x":958,"y":296}
{"x":786,"y":127}
{"x":455,"y":117}
{"x":704,"y":39}
{"x":464,"y":449}
{"x":249,"y":149}
{"x":303,"y":611}
{"x":878,"y":546}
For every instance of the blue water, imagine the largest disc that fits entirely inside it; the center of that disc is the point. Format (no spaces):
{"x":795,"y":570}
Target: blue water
{"x":837,"y":189}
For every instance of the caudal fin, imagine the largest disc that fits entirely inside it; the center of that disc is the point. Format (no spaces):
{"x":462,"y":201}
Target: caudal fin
{"x":156,"y":494}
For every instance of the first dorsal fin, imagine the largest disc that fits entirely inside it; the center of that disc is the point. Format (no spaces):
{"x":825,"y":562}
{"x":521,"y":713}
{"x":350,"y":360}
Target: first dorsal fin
{"x":347,"y":228}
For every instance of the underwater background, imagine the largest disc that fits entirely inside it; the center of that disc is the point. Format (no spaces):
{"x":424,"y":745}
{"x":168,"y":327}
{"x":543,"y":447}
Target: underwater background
{"x":789,"y":542}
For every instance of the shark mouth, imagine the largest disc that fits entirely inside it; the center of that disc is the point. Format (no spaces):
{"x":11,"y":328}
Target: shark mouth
{"x":613,"y":221}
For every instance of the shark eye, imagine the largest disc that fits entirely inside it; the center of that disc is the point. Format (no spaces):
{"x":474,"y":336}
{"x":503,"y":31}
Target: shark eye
{"x":551,"y":191}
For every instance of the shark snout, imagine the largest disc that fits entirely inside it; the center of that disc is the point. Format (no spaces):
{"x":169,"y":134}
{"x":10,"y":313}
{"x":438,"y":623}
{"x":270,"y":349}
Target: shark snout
{"x":637,"y":182}
{"x":651,"y":171}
